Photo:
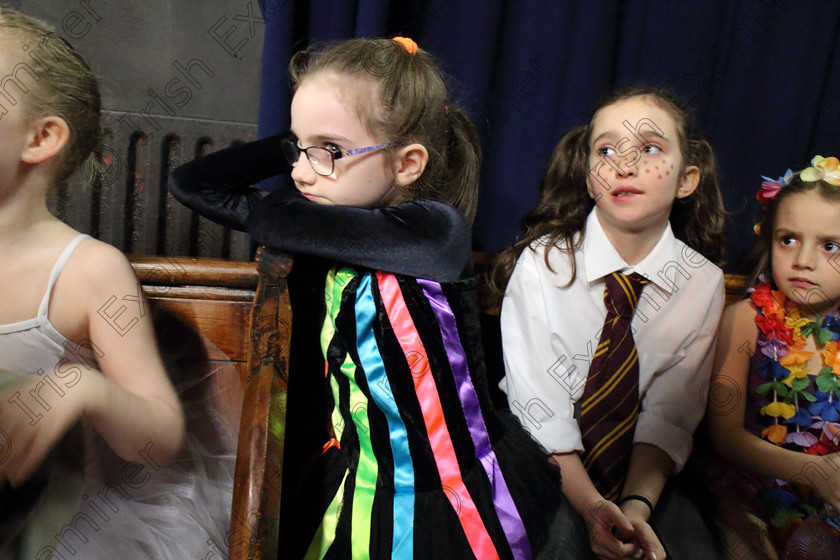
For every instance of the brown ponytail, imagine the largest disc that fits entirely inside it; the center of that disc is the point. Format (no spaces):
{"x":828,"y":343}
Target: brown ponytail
{"x":414,"y":106}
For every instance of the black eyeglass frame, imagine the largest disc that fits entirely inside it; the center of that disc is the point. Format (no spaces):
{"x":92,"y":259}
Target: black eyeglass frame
{"x":292,"y":151}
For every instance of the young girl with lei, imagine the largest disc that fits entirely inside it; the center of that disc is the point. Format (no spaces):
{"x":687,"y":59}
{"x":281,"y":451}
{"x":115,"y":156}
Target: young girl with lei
{"x":775,"y":399}
{"x":634,"y":191}
{"x":418,"y":464}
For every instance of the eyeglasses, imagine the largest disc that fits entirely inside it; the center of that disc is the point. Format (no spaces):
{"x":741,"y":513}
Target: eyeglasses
{"x":323,"y":159}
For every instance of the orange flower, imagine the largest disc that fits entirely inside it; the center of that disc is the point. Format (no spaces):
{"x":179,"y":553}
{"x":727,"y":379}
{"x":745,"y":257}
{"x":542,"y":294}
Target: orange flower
{"x":827,"y":169}
{"x":772,"y":303}
{"x":795,"y":357}
{"x":830,"y":357}
{"x":775,"y":433}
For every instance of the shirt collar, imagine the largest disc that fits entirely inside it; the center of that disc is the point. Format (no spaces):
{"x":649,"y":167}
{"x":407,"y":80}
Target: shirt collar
{"x":601,"y":258}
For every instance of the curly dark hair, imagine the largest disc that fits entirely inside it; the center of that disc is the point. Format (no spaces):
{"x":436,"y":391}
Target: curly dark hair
{"x":564,"y":202}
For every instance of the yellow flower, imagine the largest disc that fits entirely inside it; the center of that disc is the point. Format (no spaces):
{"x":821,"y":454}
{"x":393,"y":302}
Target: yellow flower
{"x":796,"y":372}
{"x":777,"y":409}
{"x":827,"y":169}
{"x":796,"y":323}
{"x":775,"y":433}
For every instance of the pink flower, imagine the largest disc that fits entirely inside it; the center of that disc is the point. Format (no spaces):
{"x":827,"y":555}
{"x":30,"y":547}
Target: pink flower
{"x":770,"y":188}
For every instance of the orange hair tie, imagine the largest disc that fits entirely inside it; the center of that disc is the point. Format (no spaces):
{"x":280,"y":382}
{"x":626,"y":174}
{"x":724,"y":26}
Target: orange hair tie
{"x":408,"y":44}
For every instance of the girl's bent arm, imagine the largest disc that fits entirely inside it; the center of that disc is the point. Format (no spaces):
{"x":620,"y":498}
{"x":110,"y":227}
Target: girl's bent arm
{"x":425,"y":238}
{"x":727,"y":409}
{"x":219,"y":185}
{"x":674,"y":402}
{"x":128,"y":400}
{"x":136,"y":407}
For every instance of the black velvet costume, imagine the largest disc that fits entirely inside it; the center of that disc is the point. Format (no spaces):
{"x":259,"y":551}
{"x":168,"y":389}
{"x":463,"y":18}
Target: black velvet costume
{"x":420,"y":465}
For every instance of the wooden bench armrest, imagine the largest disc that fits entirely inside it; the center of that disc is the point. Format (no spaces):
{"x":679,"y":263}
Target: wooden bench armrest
{"x":255,"y":517}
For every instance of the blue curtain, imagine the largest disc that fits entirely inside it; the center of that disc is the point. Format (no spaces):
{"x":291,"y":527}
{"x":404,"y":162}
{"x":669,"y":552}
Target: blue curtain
{"x":763,"y":79}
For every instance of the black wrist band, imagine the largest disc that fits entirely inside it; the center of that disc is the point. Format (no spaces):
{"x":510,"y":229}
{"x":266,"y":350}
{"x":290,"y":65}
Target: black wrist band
{"x":639,"y":497}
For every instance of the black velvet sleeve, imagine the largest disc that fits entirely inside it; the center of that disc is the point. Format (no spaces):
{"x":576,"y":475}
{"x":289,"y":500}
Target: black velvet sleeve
{"x":424,"y":238}
{"x":219,"y":186}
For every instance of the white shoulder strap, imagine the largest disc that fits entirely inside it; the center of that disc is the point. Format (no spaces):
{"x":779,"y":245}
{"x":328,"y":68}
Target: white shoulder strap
{"x":56,"y":271}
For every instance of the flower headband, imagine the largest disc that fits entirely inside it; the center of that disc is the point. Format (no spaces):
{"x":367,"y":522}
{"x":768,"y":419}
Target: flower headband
{"x":826,"y":169}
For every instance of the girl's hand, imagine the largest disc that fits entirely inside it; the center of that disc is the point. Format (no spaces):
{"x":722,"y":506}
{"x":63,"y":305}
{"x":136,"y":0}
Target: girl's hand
{"x":611,"y":534}
{"x":637,"y":514}
{"x":34,"y":418}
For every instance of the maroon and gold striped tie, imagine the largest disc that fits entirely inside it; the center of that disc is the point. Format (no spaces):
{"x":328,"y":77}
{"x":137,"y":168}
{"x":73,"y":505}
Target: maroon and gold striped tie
{"x":610,"y":403}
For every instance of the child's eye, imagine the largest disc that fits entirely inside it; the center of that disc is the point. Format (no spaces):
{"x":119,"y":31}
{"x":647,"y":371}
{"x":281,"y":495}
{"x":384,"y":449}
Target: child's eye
{"x":830,"y":247}
{"x":332,"y":148}
{"x":652,"y":149}
{"x":787,"y":240}
{"x":606,"y":151}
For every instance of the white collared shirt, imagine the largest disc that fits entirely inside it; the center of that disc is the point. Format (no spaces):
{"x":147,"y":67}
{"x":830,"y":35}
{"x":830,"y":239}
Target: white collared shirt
{"x":550,"y":332}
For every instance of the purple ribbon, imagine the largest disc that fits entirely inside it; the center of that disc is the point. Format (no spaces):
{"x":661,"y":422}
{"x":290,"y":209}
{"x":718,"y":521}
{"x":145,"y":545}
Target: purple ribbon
{"x":502,"y":500}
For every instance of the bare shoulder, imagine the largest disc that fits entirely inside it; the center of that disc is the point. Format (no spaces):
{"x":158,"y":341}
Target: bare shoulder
{"x":100,"y":272}
{"x":96,"y":274}
{"x":739,"y":316}
{"x":738,"y":333}
{"x":99,"y":265}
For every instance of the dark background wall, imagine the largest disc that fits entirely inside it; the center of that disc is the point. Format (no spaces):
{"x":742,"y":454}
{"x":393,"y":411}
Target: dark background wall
{"x":178,"y":79}
{"x":134,"y":47}
{"x":762,"y":77}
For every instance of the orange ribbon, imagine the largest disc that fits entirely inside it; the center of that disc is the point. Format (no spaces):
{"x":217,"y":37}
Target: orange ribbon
{"x":408,"y":44}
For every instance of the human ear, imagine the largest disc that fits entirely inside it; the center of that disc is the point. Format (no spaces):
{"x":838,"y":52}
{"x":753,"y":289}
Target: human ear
{"x":47,"y":137}
{"x":589,"y":190}
{"x":411,"y":160}
{"x":688,"y":183}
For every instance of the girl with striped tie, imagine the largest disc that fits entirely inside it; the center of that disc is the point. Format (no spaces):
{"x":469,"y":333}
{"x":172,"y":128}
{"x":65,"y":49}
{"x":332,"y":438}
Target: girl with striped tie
{"x":416,"y":463}
{"x":610,"y":313}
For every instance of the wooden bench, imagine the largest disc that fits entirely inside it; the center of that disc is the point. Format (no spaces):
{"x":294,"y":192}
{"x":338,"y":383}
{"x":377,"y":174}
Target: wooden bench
{"x":243,"y":311}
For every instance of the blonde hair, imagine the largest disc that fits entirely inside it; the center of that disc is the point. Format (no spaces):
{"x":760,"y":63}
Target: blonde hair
{"x":62,"y":85}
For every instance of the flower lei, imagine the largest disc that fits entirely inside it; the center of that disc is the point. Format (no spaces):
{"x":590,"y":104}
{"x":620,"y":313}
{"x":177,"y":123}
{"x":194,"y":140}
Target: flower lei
{"x":784,"y":368}
{"x":792,"y":407}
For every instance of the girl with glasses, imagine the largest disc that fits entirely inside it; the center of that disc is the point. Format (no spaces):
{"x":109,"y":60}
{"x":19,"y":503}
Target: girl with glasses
{"x":416,"y":462}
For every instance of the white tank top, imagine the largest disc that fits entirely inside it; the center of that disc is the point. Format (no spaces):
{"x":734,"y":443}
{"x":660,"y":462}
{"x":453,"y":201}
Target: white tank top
{"x":34,"y":346}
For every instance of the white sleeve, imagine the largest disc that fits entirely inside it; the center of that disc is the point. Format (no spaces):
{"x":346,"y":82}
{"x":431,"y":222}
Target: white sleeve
{"x":541,"y":382}
{"x":675,"y":400}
